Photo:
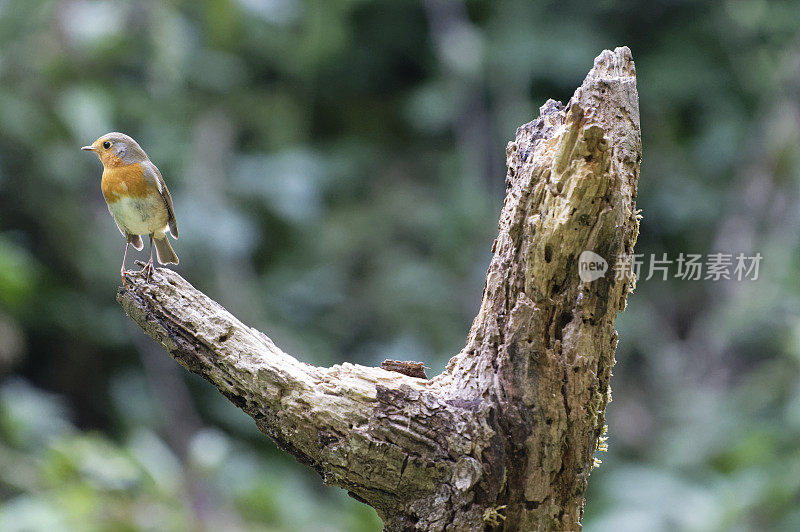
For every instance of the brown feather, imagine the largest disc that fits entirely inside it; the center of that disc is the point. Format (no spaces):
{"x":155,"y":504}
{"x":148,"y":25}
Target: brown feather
{"x":151,"y":172}
{"x":164,"y":251}
{"x":134,"y":240}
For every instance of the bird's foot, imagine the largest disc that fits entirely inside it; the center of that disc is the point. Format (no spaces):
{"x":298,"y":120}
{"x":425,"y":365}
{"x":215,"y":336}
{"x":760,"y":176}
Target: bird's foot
{"x":122,"y":273}
{"x":148,"y":270}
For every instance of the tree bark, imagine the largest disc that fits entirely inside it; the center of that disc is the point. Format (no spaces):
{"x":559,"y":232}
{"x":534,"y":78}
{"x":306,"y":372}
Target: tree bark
{"x":505,"y":437}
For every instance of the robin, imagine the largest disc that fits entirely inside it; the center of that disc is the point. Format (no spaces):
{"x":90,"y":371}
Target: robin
{"x":137,"y":197}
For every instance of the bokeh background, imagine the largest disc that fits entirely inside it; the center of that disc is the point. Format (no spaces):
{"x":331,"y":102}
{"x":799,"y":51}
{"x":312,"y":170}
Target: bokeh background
{"x":337,"y":169}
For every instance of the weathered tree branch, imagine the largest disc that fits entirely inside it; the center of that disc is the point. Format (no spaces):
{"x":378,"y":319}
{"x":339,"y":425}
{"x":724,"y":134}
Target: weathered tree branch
{"x":505,"y":437}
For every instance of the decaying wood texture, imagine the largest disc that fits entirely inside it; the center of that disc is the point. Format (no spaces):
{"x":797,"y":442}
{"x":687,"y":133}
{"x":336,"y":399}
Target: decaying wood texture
{"x":505,"y":437}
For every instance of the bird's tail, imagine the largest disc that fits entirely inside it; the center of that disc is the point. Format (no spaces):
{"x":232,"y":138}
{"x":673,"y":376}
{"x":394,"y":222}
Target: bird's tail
{"x":164,"y":252}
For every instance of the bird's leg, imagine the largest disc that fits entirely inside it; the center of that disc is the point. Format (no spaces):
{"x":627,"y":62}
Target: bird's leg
{"x":148,"y":268}
{"x":122,"y":270}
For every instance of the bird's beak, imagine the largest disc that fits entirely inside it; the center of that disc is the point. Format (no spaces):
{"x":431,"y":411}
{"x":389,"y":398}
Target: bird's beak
{"x":87,"y":148}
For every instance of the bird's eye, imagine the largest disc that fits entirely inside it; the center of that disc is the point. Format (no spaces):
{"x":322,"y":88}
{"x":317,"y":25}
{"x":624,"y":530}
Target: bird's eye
{"x":106,"y":145}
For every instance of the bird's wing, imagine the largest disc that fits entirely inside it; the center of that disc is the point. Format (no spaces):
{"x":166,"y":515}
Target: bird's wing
{"x":152,"y":174}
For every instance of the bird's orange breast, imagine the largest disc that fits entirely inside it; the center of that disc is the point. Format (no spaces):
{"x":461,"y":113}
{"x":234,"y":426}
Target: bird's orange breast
{"x":125,"y":181}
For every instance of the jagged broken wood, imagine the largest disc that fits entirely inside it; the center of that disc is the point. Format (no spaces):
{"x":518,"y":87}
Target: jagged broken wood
{"x":505,"y":437}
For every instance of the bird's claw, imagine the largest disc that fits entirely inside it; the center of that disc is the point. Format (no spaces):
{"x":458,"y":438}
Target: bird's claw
{"x":147,"y":268}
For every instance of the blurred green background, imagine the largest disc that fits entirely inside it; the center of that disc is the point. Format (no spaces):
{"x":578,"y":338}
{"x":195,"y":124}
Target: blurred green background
{"x":337,"y":169}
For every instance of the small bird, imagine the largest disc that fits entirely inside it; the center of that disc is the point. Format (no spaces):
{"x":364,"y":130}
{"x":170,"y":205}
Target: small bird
{"x":137,"y":197}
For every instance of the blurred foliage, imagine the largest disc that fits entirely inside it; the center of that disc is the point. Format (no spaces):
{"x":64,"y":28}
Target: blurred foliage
{"x":337,"y":170}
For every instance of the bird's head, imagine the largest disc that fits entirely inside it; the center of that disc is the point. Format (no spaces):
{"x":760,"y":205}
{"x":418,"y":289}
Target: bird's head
{"x":117,"y":149}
